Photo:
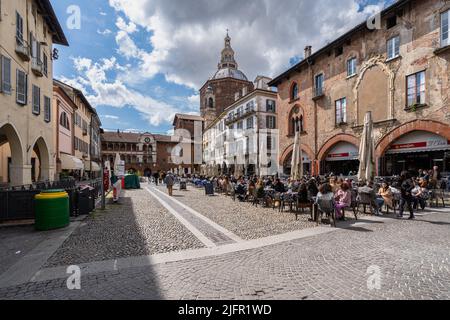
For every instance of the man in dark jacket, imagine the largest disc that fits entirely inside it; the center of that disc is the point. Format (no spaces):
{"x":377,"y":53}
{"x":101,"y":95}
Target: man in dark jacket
{"x":406,"y":187}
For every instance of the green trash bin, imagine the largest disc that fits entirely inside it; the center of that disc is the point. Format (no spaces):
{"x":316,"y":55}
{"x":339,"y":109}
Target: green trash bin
{"x":52,"y":210}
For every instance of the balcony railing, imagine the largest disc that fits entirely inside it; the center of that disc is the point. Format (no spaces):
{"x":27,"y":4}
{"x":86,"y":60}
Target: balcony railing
{"x":37,"y":67}
{"x":22,"y":49}
{"x":318,"y":93}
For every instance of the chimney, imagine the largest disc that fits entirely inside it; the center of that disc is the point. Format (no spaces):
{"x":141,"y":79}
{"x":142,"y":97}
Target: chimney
{"x":244,"y":91}
{"x":308,"y":51}
{"x":236,"y":96}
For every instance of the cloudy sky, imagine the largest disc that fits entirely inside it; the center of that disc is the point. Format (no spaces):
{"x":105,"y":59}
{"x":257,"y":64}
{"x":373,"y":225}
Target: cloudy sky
{"x":141,"y":61}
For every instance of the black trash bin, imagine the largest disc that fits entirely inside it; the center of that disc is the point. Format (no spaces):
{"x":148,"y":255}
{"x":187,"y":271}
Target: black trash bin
{"x":83,"y":201}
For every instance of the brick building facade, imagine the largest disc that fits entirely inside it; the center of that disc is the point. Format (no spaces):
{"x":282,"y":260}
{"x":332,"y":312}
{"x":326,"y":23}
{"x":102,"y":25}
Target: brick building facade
{"x":399,"y":71}
{"x":143,"y":152}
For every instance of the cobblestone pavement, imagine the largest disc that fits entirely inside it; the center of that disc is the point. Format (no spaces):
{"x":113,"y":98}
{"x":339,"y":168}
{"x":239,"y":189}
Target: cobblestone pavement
{"x":413,"y":257}
{"x":139,"y":226}
{"x":242,"y":219}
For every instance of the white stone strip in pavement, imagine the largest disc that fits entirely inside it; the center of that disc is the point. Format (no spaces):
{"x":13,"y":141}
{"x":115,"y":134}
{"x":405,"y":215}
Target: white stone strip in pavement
{"x":24,"y":269}
{"x":216,"y":226}
{"x":200,"y":236}
{"x":146,"y":261}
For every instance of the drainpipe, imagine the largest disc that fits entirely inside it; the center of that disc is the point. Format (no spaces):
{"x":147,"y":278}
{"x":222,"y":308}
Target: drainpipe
{"x":315,"y":170}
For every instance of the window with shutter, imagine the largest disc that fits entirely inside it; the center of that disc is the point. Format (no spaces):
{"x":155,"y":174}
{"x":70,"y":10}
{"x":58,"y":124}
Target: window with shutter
{"x":45,"y":65}
{"x":47,"y":109}
{"x":36,"y":100}
{"x":22,"y":87}
{"x":33,"y":45}
{"x":6,"y":75}
{"x":19,"y":27}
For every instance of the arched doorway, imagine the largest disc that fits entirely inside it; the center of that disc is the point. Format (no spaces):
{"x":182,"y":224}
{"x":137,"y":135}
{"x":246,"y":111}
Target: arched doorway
{"x":339,"y":155}
{"x":40,"y":161}
{"x":287,"y":163}
{"x":307,"y":157}
{"x":12,"y":170}
{"x":416,"y":150}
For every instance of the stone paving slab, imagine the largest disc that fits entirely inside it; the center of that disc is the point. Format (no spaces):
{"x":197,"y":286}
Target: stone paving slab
{"x":242,"y":219}
{"x":413,"y":257}
{"x":138,"y":226}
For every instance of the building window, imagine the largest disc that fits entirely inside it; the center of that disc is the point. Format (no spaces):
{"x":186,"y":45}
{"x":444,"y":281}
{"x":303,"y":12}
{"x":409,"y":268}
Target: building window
{"x":211,"y":102}
{"x":47,"y":109}
{"x":416,"y":88}
{"x":351,"y":67}
{"x":391,"y":22}
{"x":36,"y":100}
{"x":294,"y":91}
{"x":318,"y":85}
{"x":341,"y":111}
{"x":445,"y":17}
{"x":45,"y":63}
{"x":269,"y":143}
{"x":240,"y":125}
{"x":339,"y":51}
{"x":250,"y":123}
{"x":19,"y":28}
{"x":64,"y":121}
{"x":271,"y":122}
{"x":22,"y":87}
{"x":393,"y":47}
{"x":271,"y":106}
{"x":6,"y":75}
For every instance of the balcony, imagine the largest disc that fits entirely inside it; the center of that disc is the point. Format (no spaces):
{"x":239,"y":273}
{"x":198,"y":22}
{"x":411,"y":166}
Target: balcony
{"x":37,"y":67}
{"x":240,"y":115}
{"x":22,"y":49}
{"x":318,"y":93}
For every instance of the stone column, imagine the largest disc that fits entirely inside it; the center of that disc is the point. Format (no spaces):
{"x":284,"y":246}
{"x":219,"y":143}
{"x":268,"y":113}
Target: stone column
{"x":20,"y":174}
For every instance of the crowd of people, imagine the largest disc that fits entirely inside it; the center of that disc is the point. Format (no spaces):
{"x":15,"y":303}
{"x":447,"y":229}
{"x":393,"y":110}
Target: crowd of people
{"x":409,"y":191}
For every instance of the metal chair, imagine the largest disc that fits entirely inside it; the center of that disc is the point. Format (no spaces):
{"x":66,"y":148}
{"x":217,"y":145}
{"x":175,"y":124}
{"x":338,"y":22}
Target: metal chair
{"x":365,"y":199}
{"x":326,"y":207}
{"x":354,"y":205}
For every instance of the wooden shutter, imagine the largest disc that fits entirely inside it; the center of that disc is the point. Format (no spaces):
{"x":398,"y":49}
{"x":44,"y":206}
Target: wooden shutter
{"x":21,"y":91}
{"x":47,"y":109}
{"x":36,"y":100}
{"x":6,"y":75}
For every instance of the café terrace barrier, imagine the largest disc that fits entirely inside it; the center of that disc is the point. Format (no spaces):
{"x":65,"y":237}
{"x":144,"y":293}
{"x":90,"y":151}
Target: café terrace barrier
{"x":17,"y":203}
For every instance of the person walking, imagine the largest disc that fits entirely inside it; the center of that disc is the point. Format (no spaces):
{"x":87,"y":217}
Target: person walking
{"x":406,"y":187}
{"x":156,"y":177}
{"x":169,"y":180}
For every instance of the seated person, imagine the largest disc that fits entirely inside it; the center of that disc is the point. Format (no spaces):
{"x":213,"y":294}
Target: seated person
{"x":279,"y":186}
{"x":241,"y":190}
{"x":418,"y":194}
{"x":387,"y":195}
{"x":303,"y":193}
{"x":312,"y":187}
{"x":343,"y":199}
{"x":325,"y":193}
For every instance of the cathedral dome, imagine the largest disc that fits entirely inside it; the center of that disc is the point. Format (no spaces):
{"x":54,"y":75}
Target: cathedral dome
{"x":229,"y":72}
{"x":228,"y":67}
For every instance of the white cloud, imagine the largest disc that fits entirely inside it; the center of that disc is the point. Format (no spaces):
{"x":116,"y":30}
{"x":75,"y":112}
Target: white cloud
{"x":103,"y":13}
{"x":187,"y":35}
{"x":105,"y":90}
{"x":122,"y":25}
{"x":107,"y":116}
{"x":104,"y":32}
